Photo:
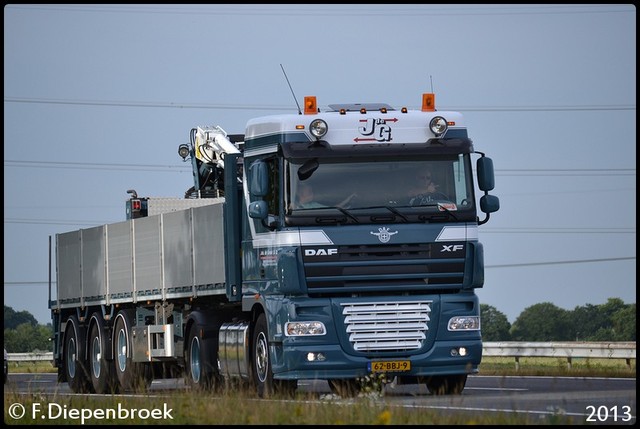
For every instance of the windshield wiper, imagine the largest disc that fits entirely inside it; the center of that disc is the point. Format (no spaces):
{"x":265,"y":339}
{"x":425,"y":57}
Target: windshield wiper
{"x":396,"y":212}
{"x":344,"y":212}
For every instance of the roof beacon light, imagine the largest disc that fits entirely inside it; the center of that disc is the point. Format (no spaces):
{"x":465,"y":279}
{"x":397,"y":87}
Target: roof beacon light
{"x":428,"y":102}
{"x":310,"y":105}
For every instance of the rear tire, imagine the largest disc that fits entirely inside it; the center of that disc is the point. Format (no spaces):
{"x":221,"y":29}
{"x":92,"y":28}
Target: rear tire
{"x":102,"y":371}
{"x":132,"y":376}
{"x":200,"y":372}
{"x":75,"y":369}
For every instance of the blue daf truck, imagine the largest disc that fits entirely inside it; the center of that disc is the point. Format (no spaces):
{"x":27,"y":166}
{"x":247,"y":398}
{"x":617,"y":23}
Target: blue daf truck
{"x":337,"y":244}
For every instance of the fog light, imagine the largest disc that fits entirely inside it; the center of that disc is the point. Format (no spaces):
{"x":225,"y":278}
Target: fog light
{"x":315,"y":357}
{"x":459,"y":351}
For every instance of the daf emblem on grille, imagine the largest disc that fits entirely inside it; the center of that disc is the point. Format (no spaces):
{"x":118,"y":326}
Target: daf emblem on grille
{"x":384,"y":235}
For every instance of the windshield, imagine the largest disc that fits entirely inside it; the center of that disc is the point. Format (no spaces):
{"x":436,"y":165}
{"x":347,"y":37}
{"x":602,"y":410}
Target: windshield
{"x":400,"y":187}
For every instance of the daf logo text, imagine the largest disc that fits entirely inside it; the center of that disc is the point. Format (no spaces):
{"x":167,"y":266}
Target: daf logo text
{"x":320,"y":252}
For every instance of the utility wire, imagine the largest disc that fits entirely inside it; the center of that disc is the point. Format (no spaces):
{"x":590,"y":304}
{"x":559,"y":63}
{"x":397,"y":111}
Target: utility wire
{"x":183,"y":105}
{"x":530,"y":264}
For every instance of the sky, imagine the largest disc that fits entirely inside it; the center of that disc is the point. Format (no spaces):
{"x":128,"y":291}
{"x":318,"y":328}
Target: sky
{"x":97,"y":99}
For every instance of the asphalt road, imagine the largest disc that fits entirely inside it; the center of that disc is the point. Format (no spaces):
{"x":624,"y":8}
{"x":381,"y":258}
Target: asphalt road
{"x":600,"y":401}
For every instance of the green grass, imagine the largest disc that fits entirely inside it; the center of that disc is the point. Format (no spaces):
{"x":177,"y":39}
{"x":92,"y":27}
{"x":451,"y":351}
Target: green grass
{"x":241,"y":406}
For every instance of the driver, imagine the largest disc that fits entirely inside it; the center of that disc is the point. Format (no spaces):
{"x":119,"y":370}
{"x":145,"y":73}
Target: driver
{"x":425,"y":189}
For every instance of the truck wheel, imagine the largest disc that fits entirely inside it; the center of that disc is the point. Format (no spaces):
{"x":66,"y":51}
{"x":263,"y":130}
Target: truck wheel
{"x":101,"y":371}
{"x":73,"y":361}
{"x":136,"y":376}
{"x":262,"y":374}
{"x":446,"y":384}
{"x":200,"y":373}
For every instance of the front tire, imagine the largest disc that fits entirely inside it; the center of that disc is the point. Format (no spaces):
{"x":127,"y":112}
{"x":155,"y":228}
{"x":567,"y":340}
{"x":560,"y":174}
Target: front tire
{"x":262,"y":373}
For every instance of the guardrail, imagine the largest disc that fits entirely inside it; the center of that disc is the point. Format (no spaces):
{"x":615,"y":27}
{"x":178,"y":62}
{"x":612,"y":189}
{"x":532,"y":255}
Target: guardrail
{"x":567,"y":350}
{"x":30,"y":357}
{"x":515,"y":349}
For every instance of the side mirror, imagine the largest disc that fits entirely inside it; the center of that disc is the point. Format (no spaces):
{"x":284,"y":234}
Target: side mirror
{"x":489,"y":203}
{"x":258,"y":210}
{"x":259,"y":185}
{"x":486,"y":179}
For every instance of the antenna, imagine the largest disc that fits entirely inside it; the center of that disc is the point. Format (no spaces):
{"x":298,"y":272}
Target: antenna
{"x":292,"y":93}
{"x":431,"y":80}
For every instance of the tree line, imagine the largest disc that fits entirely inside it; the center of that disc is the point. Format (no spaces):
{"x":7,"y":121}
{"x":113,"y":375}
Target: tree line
{"x":611,"y":321}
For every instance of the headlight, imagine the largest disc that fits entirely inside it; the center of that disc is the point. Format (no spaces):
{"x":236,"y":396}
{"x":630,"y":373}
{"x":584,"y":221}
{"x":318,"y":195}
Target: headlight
{"x":464,"y":323}
{"x":298,"y":329}
{"x":318,"y":128}
{"x":438,"y":125}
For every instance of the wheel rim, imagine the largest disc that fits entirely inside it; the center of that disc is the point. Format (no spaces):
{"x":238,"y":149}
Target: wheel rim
{"x":71,"y":357}
{"x":194,"y":359}
{"x":262,"y":357}
{"x":122,"y":350}
{"x":95,"y":357}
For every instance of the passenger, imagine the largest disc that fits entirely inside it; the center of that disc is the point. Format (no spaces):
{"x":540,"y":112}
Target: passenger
{"x":306,"y":198}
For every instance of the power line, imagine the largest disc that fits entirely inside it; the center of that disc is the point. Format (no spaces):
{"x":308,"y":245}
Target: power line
{"x":527,"y":172}
{"x":579,"y":261}
{"x":95,"y":166}
{"x":370,"y":11}
{"x":183,"y":105}
{"x":530,"y":264}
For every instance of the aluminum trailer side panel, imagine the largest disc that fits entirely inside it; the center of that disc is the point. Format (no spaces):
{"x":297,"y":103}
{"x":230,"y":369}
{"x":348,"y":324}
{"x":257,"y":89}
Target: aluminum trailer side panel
{"x":170,"y":255}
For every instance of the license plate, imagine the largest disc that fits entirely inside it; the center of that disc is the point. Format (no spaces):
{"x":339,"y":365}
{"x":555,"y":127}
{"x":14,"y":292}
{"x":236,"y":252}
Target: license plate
{"x":390,"y":366}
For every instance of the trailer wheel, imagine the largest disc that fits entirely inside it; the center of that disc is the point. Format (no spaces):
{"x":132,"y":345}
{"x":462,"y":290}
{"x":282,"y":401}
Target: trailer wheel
{"x":101,"y":371}
{"x":200,"y":373}
{"x":446,"y":384}
{"x":73,"y":360}
{"x":136,"y":376}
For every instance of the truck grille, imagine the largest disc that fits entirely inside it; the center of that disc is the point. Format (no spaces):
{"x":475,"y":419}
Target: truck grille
{"x":387,"y":326}
{"x":384,"y":268}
